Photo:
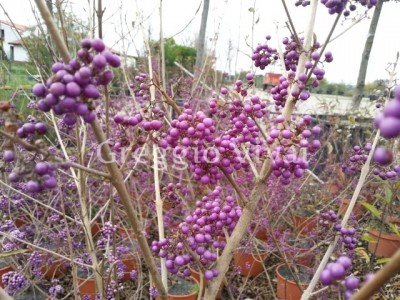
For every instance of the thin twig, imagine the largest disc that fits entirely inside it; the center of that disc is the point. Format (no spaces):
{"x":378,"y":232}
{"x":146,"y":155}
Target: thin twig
{"x":38,"y":150}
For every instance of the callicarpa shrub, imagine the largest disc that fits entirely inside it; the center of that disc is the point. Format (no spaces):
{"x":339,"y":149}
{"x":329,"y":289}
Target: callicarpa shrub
{"x":227,"y":146}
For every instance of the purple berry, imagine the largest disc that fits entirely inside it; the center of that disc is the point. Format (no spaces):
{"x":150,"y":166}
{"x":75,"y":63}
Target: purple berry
{"x":32,"y":186}
{"x":326,"y":277}
{"x":57,"y":89}
{"x":390,"y":127}
{"x":41,"y":168}
{"x":383,"y":156}
{"x":337,"y":271}
{"x":41,"y":128}
{"x":98,"y":45}
{"x":39,"y":90}
{"x":8,"y":156}
{"x":91,"y":91}
{"x":351,"y":283}
{"x":72,"y":89}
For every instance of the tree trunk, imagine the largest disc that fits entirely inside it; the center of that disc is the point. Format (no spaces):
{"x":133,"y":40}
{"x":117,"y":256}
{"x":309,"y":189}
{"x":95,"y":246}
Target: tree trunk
{"x":201,"y":40}
{"x":362,"y":73}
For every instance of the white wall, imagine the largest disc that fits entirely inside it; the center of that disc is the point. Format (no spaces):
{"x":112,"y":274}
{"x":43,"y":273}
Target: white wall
{"x":11,"y":35}
{"x":20,"y":54}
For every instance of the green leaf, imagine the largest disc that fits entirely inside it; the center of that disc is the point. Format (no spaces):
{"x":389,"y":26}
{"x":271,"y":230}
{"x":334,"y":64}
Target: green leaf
{"x":374,"y":211}
{"x":251,"y":9}
{"x":366,"y":237}
{"x":380,"y":197}
{"x":394,"y":228}
{"x":388,"y":193}
{"x":12,"y":253}
{"x":383,"y":260}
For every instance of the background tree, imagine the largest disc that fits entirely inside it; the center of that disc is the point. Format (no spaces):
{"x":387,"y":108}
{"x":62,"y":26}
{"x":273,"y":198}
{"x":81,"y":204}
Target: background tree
{"x":362,"y":73}
{"x":201,"y":39}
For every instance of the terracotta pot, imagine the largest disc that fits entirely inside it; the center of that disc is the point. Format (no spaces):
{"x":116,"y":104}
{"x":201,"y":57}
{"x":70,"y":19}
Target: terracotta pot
{"x":130,"y":262}
{"x":192,"y":296}
{"x":196,"y":275}
{"x":22,"y":220}
{"x":334,"y":187}
{"x":358,"y":209}
{"x":392,"y":219}
{"x":288,"y":289}
{"x":4,"y":270}
{"x":300,"y":253}
{"x":124,"y":232}
{"x":249,"y":264}
{"x":87,"y":287}
{"x":260,"y":232}
{"x":55,"y":269}
{"x":382,"y":244}
{"x":95,"y":228}
{"x":303,"y":225}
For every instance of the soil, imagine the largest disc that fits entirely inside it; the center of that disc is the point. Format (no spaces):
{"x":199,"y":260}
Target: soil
{"x":381,"y":226}
{"x":3,"y":264}
{"x":31,"y":293}
{"x":182,"y":287}
{"x":302,"y":274}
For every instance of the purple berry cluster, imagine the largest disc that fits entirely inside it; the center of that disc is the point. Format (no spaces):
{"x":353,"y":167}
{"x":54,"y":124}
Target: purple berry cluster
{"x":387,"y":173}
{"x":388,"y":121}
{"x":72,"y":87}
{"x":13,"y":282}
{"x":190,"y":136}
{"x":55,"y":289}
{"x":335,"y":270}
{"x":42,"y":175}
{"x":169,"y":193}
{"x":291,"y":57}
{"x":108,"y":229}
{"x":335,"y":273}
{"x":357,"y":159}
{"x":31,"y":129}
{"x":291,"y":139}
{"x":264,"y":55}
{"x":303,"y":3}
{"x":140,"y":88}
{"x":150,"y":122}
{"x":346,"y":6}
{"x":348,"y":236}
{"x":202,"y":232}
{"x":194,"y":137}
{"x":36,"y":261}
{"x":329,"y":219}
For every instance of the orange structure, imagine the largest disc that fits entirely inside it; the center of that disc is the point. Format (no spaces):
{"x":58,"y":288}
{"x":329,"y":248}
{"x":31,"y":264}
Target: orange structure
{"x":270,"y":80}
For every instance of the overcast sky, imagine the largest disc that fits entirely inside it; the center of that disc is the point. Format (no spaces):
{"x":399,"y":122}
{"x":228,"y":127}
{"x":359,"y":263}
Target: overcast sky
{"x":230,"y":22}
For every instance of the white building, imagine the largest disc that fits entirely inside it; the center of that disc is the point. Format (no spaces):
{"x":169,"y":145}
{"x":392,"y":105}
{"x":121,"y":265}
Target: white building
{"x":10,"y":42}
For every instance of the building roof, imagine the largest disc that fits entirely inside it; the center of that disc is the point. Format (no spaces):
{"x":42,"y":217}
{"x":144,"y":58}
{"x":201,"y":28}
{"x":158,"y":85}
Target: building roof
{"x":16,"y":43}
{"x":16,"y":26}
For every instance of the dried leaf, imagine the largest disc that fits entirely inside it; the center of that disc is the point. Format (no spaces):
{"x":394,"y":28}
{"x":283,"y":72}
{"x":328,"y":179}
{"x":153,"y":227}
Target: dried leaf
{"x":10,"y":127}
{"x":360,"y":252}
{"x":330,"y":147}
